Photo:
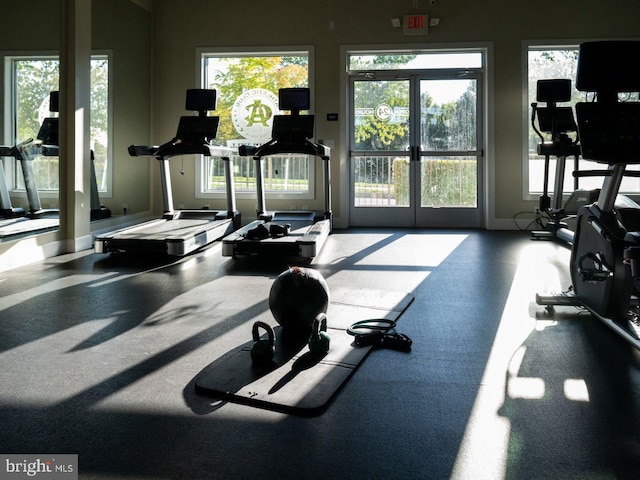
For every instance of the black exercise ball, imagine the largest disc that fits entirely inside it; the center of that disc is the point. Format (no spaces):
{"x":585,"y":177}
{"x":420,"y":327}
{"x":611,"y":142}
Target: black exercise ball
{"x":296,"y":298}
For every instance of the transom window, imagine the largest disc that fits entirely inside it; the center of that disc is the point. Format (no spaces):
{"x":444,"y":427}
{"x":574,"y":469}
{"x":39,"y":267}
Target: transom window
{"x":399,"y":60}
{"x":247,"y":85}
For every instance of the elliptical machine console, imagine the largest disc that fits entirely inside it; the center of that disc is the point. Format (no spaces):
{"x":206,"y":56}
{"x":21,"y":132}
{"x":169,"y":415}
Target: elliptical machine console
{"x":606,"y":252}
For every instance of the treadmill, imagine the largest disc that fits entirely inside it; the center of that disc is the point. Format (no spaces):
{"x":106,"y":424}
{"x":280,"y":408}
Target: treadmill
{"x":180,"y":232}
{"x":7,"y":210}
{"x":37,"y":219}
{"x":285,"y":233}
{"x":49,"y":136}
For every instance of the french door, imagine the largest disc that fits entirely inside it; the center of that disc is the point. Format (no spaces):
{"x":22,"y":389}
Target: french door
{"x":415,"y":149}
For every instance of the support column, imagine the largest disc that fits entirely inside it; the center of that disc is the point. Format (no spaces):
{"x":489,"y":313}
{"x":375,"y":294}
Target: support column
{"x":75,"y":90}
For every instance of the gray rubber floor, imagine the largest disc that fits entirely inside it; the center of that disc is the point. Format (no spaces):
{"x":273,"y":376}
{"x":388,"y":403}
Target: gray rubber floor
{"x":98,"y":356}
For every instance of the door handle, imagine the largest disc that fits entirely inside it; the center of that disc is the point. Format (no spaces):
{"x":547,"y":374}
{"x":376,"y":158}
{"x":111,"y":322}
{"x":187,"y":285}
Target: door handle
{"x":415,"y":153}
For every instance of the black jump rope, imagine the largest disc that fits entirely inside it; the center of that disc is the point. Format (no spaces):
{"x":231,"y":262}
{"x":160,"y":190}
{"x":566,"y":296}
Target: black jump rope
{"x":367,"y":333}
{"x":376,"y":332}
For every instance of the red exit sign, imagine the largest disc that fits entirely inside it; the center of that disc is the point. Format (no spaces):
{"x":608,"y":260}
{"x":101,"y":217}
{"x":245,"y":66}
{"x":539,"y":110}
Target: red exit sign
{"x":415,"y":25}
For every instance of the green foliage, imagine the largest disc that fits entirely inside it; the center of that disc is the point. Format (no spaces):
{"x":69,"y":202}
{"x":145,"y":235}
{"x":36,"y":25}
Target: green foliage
{"x":99,"y":97}
{"x":449,"y":183}
{"x":450,"y":126}
{"x":372,"y":132}
{"x":379,"y":62}
{"x":100,"y":117}
{"x":445,"y":183}
{"x":237,"y":74}
{"x":401,"y":181}
{"x":447,"y":126}
{"x":35,"y":80}
{"x":380,"y":135}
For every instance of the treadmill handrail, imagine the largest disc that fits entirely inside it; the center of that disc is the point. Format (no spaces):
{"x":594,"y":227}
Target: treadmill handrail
{"x":275,"y":147}
{"x":143,"y":150}
{"x":15,"y":150}
{"x":175,"y":147}
{"x":220,"y":151}
{"x":50,"y":150}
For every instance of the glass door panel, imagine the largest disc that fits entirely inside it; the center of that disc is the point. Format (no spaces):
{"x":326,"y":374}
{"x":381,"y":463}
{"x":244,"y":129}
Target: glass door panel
{"x":381,"y":181}
{"x":449,"y":182}
{"x":414,"y":150}
{"x":449,"y":152}
{"x":379,"y":153}
{"x":448,"y":115}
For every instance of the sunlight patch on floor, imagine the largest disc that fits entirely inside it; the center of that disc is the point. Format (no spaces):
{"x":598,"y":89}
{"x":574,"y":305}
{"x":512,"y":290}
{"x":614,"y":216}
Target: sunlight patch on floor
{"x":426,"y":250}
{"x":488,"y":433}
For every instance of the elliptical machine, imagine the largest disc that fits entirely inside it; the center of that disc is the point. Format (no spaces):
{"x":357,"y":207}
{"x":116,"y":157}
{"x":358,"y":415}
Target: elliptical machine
{"x":605,"y":257}
{"x":559,"y":123}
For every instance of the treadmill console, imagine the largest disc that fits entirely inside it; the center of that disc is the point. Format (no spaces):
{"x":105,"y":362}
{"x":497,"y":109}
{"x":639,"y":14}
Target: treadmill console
{"x":48,"y":132}
{"x":294,"y":99}
{"x":610,"y":132}
{"x":294,"y":127}
{"x":197,"y":129}
{"x":201,"y":100}
{"x":201,"y":129}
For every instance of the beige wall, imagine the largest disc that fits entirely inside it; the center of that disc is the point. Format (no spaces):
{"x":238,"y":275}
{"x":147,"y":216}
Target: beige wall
{"x":124,"y":29}
{"x":181,"y":27}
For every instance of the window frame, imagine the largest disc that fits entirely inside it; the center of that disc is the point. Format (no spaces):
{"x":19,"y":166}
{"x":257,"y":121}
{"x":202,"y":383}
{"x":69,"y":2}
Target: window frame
{"x":200,"y":171}
{"x":11,"y":166}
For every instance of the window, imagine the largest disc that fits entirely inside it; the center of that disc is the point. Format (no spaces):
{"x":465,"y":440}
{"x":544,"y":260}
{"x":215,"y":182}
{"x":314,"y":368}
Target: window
{"x":32,"y":79}
{"x":100,"y":115}
{"x":544,"y":62}
{"x":247,"y":85}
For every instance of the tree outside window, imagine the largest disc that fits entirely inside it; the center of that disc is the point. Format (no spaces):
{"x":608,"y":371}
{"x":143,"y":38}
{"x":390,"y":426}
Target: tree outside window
{"x":247,"y":88}
{"x":34,"y":79}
